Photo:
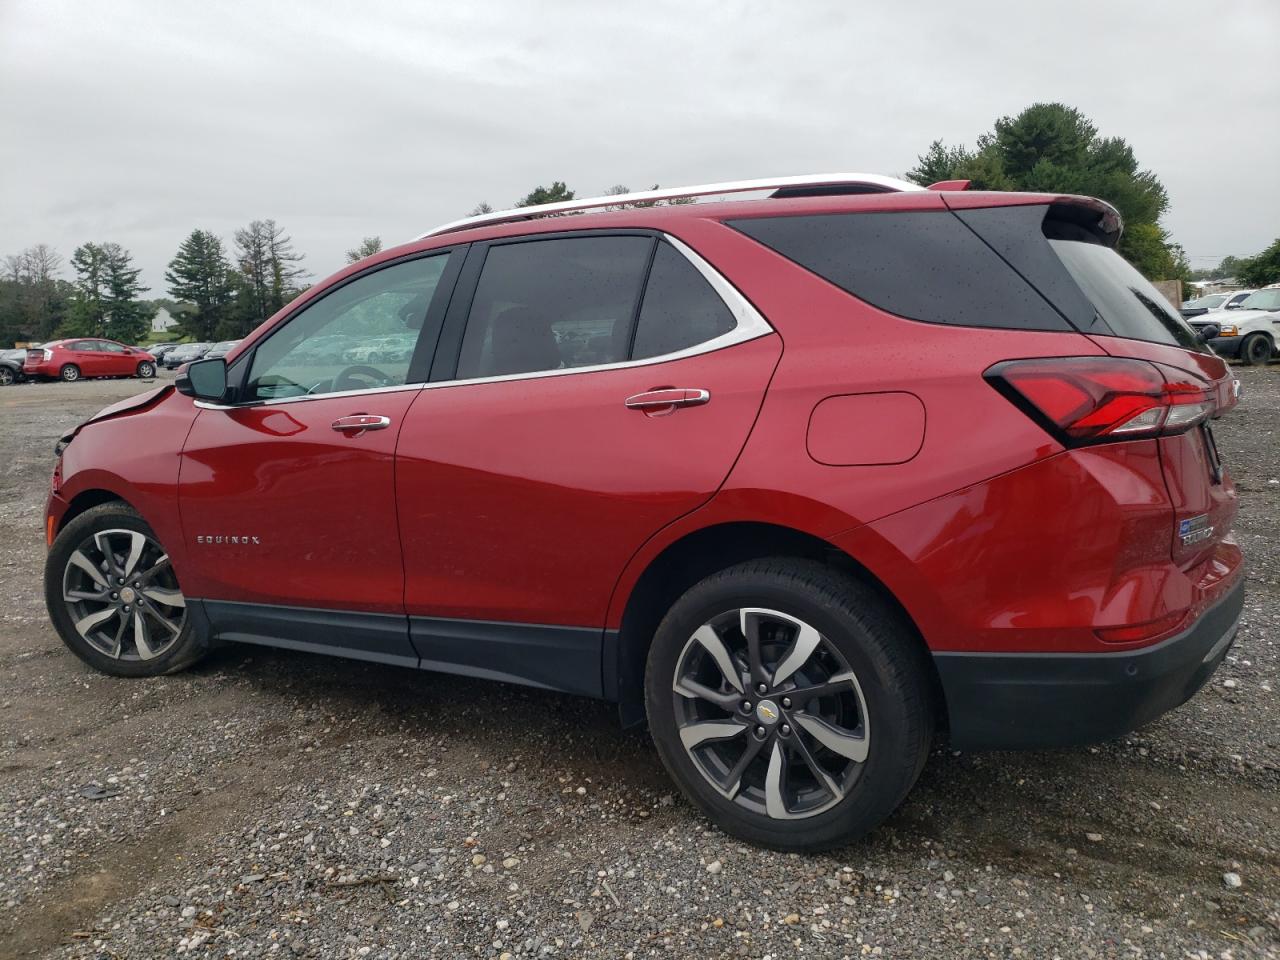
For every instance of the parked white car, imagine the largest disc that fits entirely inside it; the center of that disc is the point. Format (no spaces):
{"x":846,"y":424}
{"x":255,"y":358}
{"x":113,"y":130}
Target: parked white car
{"x":1214,"y":301}
{"x":1250,"y":331}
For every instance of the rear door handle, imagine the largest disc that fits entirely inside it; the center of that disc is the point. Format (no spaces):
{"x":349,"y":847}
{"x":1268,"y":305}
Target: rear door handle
{"x":360,"y":422}
{"x":668,"y":397}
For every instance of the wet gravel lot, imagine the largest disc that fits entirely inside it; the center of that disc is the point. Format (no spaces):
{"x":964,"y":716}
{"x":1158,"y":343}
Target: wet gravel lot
{"x":273,"y":803}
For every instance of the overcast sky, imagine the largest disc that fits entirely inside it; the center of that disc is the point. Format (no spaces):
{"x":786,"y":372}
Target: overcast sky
{"x":138,"y":121}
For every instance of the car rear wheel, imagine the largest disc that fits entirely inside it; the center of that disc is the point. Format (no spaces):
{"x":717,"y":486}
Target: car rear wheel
{"x":70,"y":373}
{"x":1255,"y":350}
{"x":790,"y":703}
{"x":146,"y":370}
{"x":6,"y":376}
{"x":114,"y":598}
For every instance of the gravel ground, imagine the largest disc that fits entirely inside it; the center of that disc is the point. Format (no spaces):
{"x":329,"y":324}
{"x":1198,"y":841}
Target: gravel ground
{"x":277,"y":803}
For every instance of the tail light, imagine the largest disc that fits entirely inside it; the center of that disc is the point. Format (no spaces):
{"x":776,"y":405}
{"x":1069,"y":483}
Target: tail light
{"x":1083,"y":400}
{"x":47,"y":354}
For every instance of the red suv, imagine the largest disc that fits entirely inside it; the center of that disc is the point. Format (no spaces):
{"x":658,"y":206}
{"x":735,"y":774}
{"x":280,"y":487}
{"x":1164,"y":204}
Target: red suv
{"x":798,"y":480}
{"x":72,"y":360}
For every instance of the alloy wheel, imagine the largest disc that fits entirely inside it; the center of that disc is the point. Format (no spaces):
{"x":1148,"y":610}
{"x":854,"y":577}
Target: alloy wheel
{"x":770,"y":713}
{"x":6,"y":376}
{"x":122,"y":595}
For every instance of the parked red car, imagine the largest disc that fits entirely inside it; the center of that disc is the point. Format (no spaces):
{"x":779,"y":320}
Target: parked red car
{"x":798,"y":481}
{"x":77,"y":358}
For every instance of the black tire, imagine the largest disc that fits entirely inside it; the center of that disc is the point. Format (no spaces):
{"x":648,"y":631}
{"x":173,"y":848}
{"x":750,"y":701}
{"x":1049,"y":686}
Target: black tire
{"x":1255,"y":350}
{"x":188,"y":647}
{"x":7,"y":376}
{"x":147,"y":370}
{"x":69,"y":373}
{"x":886,"y":656}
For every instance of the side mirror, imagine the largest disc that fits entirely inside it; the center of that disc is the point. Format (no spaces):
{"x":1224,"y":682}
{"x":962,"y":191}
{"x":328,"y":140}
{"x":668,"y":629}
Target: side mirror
{"x":1208,"y":332}
{"x":1232,"y":306}
{"x":203,"y":379}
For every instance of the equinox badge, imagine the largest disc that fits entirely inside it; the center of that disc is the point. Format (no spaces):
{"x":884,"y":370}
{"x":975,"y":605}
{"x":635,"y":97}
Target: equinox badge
{"x":1194,"y":529}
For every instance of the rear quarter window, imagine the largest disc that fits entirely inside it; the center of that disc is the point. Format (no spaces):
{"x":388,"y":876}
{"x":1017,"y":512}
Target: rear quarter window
{"x":923,"y":265}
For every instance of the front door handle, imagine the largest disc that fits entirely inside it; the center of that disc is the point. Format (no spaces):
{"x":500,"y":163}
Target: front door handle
{"x":668,"y":397}
{"x":358,"y":423}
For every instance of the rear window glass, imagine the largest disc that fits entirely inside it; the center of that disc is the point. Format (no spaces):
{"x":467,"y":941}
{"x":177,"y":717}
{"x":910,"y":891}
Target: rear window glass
{"x":920,"y":265}
{"x":554,"y":304}
{"x":1123,"y":297}
{"x":680,"y":309}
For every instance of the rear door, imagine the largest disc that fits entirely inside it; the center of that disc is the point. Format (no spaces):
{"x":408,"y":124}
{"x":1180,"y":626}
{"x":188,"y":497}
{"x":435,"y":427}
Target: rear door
{"x":86,"y":355}
{"x":589,"y":389}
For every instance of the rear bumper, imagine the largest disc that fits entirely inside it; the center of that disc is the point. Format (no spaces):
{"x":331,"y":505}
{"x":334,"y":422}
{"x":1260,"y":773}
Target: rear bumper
{"x":1004,"y":701}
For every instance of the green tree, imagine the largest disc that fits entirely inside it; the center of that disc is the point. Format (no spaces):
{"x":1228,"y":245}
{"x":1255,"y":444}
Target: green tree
{"x":1263,"y":269}
{"x":200,"y":275}
{"x":555,"y":193}
{"x":1053,"y":148}
{"x":33,"y":298}
{"x":367,"y":248}
{"x":106,"y":301}
{"x":269,"y":276}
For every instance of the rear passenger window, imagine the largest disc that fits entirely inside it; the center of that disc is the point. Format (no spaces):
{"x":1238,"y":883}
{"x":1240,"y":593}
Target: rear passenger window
{"x":921,"y":265}
{"x":554,"y":304}
{"x":680,"y":309}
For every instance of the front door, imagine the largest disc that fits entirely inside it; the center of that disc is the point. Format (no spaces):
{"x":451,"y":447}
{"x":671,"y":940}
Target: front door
{"x":116,"y":360}
{"x":287,"y":496}
{"x":560,"y":435}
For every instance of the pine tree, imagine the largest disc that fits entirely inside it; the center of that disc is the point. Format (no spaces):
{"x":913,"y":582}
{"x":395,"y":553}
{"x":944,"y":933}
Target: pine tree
{"x":555,"y":193}
{"x":106,"y":301}
{"x":199,"y":274}
{"x":367,"y":248}
{"x":268,"y":275}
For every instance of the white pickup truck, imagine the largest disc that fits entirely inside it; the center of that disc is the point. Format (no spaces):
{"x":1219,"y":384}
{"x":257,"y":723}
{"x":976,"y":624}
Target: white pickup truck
{"x":1250,"y":331}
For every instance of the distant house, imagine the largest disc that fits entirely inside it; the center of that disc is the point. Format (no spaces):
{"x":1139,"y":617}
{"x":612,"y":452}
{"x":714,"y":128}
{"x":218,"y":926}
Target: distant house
{"x":163,"y":321}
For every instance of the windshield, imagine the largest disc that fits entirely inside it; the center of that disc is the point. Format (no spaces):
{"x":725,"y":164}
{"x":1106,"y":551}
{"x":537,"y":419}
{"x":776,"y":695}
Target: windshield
{"x":1123,"y":297}
{"x":1262,"y":300}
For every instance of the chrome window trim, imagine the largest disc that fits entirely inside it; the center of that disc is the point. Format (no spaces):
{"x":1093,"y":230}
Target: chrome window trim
{"x":749,"y":324}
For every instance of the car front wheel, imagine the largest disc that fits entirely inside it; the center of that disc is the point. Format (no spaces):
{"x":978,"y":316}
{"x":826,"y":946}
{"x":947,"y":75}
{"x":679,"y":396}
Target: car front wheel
{"x":790,"y":703}
{"x":114,"y":599}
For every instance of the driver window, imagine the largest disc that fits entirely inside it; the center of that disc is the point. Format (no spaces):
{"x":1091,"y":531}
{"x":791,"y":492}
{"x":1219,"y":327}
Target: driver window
{"x":360,"y":336}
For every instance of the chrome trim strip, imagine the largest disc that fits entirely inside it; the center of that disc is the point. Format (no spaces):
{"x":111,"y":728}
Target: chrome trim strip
{"x":750,"y":325}
{"x":207,"y":405}
{"x":673,"y":193}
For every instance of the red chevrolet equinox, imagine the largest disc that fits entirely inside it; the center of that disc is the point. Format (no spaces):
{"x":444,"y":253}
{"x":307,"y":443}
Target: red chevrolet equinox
{"x":799,"y":480}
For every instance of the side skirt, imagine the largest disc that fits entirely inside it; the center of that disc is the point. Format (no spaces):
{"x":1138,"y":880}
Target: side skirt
{"x":564,"y":659}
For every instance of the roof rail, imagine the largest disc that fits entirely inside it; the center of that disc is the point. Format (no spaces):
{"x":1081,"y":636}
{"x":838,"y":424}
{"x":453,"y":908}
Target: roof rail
{"x":809,"y":185}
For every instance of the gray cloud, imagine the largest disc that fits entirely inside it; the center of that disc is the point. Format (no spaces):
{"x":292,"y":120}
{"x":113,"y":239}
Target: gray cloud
{"x":135,"y":121}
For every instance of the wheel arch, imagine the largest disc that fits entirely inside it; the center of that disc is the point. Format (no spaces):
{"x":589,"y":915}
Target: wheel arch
{"x":88,"y":499}
{"x":695,"y":556}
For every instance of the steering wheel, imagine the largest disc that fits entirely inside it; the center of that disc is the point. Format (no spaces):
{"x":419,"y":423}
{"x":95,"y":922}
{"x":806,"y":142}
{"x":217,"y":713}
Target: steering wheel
{"x":345,"y":379}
